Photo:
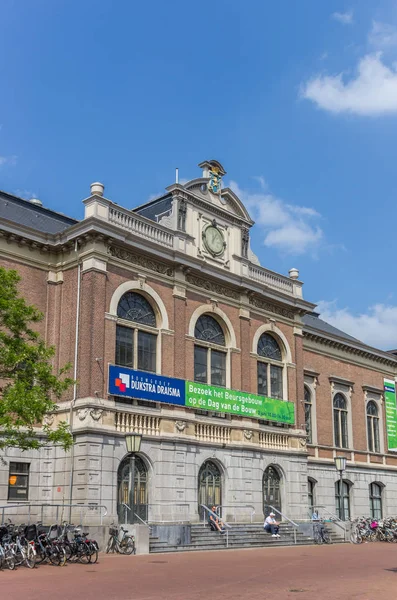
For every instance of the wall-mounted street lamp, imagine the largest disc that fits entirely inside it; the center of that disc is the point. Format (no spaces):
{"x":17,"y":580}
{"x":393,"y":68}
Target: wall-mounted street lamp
{"x":340,"y":464}
{"x":133,"y":443}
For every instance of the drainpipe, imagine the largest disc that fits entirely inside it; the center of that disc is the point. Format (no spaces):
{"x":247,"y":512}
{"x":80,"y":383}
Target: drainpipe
{"x":73,"y":402}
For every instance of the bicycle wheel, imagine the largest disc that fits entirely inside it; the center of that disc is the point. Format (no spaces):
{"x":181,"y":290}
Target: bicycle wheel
{"x":55,"y":556}
{"x":317,"y":537}
{"x":355,"y":537}
{"x":127,"y":546}
{"x":68,"y":551}
{"x":19,"y":554}
{"x":110,"y":546}
{"x":9,"y":559}
{"x":326,"y":537}
{"x":83,"y":553}
{"x":93,"y":553}
{"x":30,"y":558}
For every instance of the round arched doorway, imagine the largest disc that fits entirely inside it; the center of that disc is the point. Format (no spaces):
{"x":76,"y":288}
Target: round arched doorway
{"x":209,"y":486}
{"x":139,"y":506}
{"x":271,"y":490}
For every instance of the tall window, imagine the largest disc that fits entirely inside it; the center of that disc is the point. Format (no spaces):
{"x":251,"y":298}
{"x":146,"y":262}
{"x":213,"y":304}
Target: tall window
{"x":310,"y":492}
{"x":136,"y":342}
{"x":18,"y":481}
{"x":340,"y":421}
{"x":209,"y":352}
{"x":270,"y":367}
{"x":375,"y":500}
{"x":345,"y":500}
{"x":373,"y":427}
{"x":308,"y":415}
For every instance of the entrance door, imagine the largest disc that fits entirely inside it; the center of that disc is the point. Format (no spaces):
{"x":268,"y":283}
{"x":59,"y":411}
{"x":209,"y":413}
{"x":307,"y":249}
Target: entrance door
{"x":140,"y":504}
{"x":209,"y":486}
{"x":271,"y":491}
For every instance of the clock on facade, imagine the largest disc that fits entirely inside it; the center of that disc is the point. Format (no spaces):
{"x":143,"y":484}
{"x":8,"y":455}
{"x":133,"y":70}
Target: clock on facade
{"x":214,"y":240}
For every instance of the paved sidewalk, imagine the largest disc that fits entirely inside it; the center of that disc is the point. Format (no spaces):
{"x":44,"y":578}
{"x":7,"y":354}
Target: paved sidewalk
{"x":365,"y":572}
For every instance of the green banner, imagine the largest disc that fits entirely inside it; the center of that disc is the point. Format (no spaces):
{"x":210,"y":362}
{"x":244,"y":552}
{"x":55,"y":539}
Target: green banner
{"x":218,"y":399}
{"x":391,"y":414}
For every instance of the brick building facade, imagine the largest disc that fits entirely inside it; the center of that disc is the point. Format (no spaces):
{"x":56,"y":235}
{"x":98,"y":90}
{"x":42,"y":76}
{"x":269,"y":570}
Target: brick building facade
{"x":172,"y":291}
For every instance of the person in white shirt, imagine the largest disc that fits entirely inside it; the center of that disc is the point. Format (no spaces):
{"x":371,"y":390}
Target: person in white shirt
{"x":271,"y":526}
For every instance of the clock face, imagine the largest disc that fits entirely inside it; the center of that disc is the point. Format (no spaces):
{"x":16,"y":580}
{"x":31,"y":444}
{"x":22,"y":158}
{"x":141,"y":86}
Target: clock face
{"x":214,"y":240}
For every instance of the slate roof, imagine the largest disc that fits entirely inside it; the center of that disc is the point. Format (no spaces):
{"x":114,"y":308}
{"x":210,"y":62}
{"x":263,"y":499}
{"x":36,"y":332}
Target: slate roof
{"x":25,"y":213}
{"x":313,"y":321}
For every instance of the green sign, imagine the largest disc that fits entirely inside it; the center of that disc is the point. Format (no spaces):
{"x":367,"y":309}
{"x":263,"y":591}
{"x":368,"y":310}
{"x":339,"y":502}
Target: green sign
{"x":391,"y":413}
{"x":218,"y":399}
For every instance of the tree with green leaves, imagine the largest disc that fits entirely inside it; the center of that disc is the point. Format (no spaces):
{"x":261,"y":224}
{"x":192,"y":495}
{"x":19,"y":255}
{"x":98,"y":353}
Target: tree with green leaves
{"x":28,"y":385}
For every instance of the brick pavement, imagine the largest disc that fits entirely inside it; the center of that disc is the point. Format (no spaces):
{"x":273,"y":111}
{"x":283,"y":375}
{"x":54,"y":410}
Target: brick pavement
{"x":338,"y":572}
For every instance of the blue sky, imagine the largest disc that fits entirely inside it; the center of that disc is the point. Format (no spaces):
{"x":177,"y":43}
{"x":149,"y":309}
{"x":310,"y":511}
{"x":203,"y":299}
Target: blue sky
{"x":298,"y":101}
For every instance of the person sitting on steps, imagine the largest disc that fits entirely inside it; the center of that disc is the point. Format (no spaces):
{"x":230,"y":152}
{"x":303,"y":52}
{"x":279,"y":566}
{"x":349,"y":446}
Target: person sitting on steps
{"x":271,"y":526}
{"x":214,"y":522}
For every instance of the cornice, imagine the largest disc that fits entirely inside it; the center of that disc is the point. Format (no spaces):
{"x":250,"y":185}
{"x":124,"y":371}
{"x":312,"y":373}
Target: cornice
{"x":311,"y":373}
{"x":131,"y":246}
{"x":355,"y":349}
{"x":372,"y":389}
{"x":340,"y":380}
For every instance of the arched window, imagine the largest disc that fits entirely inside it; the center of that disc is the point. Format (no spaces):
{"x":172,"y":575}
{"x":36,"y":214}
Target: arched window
{"x":138,"y":496}
{"x":209,"y":486}
{"x":373,"y":427}
{"x":343,"y":511}
{"x":270,"y":367}
{"x":375,"y":500}
{"x":308,"y":415}
{"x":340,"y":421}
{"x":209,"y":352}
{"x":311,"y":484}
{"x":136,"y":341}
{"x":271,"y":490}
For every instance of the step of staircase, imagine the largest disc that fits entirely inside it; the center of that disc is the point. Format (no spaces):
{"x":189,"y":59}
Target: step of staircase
{"x":241,"y":535}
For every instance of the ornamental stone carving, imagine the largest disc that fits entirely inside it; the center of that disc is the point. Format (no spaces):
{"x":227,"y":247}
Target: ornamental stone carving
{"x":248,"y":434}
{"x":82,"y":413}
{"x":96,"y":413}
{"x":141,"y":261}
{"x":278,"y":310}
{"x":180,"y":425}
{"x":48,"y":420}
{"x":211,"y":286}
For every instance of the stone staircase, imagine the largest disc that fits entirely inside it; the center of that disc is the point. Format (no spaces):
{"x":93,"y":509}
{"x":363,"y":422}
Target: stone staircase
{"x":243,"y":535}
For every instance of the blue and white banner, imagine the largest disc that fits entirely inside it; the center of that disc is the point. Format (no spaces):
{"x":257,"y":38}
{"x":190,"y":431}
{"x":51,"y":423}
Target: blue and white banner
{"x":145,"y":386}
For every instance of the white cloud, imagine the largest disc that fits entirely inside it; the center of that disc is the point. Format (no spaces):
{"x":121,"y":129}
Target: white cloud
{"x":376,"y":327}
{"x":382,"y":35}
{"x":345,"y":18}
{"x":371,"y":92}
{"x":287,"y":227}
{"x":8,"y":160}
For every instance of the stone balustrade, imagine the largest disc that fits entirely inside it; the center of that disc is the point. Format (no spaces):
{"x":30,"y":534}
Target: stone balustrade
{"x":150,"y":425}
{"x":159,"y":234}
{"x":212,"y":433}
{"x":141,"y":226}
{"x":274,"y":441}
{"x":132,"y":423}
{"x":279,"y":282}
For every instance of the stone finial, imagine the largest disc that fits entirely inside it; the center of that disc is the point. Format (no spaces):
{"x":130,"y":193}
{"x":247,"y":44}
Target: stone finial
{"x":293,"y":273}
{"x":97,"y":189}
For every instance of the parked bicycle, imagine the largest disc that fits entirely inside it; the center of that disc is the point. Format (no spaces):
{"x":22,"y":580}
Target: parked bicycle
{"x":365,"y":529}
{"x":34,"y":544}
{"x":320,"y":533}
{"x":125,"y":545}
